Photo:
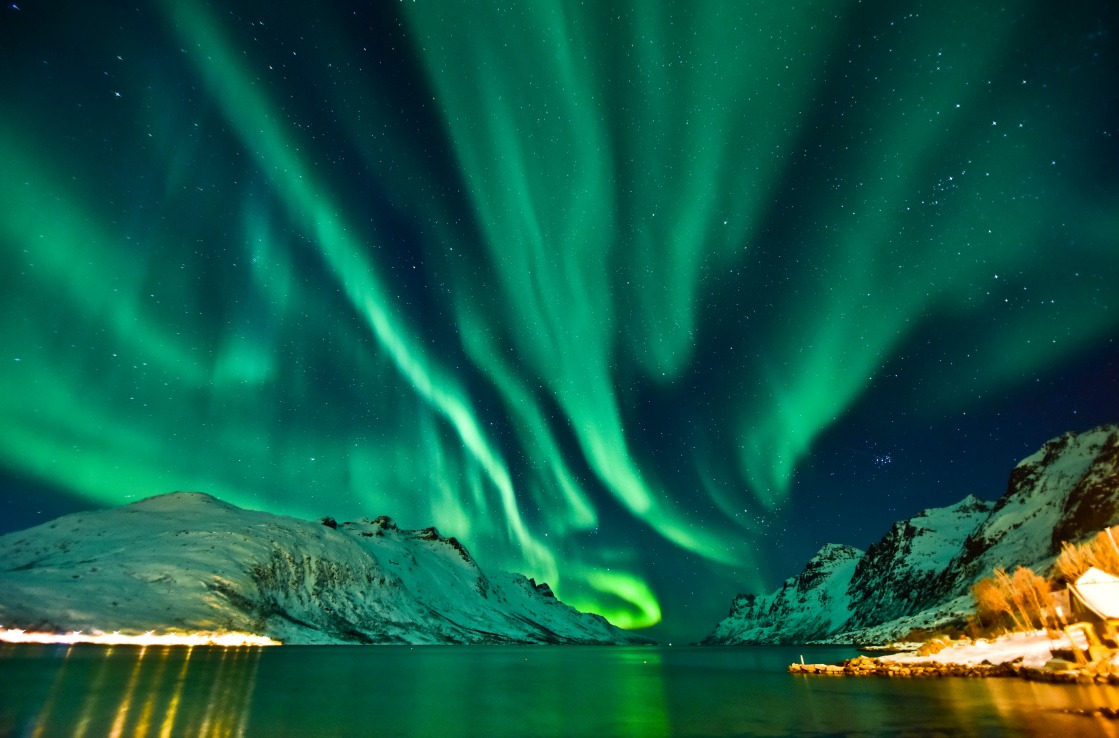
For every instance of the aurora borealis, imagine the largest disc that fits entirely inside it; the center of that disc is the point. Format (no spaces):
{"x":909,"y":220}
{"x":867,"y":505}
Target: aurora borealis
{"x":648,"y":300}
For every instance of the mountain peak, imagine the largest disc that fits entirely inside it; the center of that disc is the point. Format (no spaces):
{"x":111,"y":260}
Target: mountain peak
{"x":178,"y":501}
{"x":920,"y":573}
{"x":836,"y":552}
{"x":187,"y":561}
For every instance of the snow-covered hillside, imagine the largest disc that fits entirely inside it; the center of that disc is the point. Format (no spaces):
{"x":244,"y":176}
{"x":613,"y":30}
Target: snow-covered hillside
{"x":1066,"y":491}
{"x":920,"y":573}
{"x":807,"y":607}
{"x":900,"y":574}
{"x":187,"y":561}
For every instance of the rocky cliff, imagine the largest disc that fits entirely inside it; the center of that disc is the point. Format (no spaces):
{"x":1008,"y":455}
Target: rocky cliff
{"x":809,"y":606}
{"x":920,"y":573}
{"x":190,"y":562}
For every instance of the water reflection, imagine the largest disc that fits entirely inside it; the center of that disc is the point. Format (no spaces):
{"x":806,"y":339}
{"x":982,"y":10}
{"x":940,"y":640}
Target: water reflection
{"x":488,"y":691}
{"x":89,"y":691}
{"x":1069,"y":705}
{"x":126,"y":691}
{"x":952,"y":706}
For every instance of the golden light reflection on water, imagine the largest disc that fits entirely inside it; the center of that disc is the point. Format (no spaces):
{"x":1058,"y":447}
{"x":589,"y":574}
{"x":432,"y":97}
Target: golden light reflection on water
{"x":176,"y":697}
{"x":142,"y":692}
{"x":150,"y":703}
{"x":90,"y":696}
{"x":52,"y":697}
{"x":949,"y":706}
{"x":1056,"y":705}
{"x":129,"y":691}
{"x":505,"y":692}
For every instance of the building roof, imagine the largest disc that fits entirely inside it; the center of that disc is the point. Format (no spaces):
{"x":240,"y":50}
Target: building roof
{"x":1099,"y":592}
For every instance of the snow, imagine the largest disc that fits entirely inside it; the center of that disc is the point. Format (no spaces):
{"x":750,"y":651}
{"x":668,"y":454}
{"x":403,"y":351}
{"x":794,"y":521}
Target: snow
{"x":806,"y":607}
{"x":1035,"y":647}
{"x":956,"y":609}
{"x":1020,"y":528}
{"x":222,"y":640}
{"x":1099,"y":591}
{"x":187,"y":562}
{"x":943,"y":530}
{"x":918,"y":576}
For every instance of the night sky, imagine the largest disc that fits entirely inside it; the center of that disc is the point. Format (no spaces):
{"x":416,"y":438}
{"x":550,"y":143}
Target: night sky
{"x":645,"y":299}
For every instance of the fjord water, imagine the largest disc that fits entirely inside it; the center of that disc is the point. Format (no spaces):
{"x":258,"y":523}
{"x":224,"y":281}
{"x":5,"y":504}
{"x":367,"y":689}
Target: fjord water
{"x":507,"y":691}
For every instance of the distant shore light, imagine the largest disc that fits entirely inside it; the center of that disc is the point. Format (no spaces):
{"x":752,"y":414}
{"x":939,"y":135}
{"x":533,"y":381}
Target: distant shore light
{"x":151,"y":638}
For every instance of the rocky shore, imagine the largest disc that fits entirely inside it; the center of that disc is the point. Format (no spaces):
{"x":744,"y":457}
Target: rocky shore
{"x":1056,"y":670}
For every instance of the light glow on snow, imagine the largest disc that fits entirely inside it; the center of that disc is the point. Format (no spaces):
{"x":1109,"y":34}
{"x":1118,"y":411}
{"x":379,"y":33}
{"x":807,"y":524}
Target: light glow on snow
{"x":1034,"y":647}
{"x":151,"y":638}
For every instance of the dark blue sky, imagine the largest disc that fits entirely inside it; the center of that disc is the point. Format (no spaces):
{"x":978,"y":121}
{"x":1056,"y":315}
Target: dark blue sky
{"x":648,"y":300}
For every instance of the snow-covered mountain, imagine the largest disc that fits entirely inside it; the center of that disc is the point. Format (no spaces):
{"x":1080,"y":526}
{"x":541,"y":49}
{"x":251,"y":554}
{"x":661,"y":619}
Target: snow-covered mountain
{"x":901,"y":574}
{"x":920,"y":573}
{"x":806,"y":607}
{"x":189,"y":562}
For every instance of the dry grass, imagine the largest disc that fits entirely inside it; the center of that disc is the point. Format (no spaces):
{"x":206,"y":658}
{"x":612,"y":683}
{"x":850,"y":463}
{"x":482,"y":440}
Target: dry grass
{"x":1018,"y":601}
{"x":1101,"y":552}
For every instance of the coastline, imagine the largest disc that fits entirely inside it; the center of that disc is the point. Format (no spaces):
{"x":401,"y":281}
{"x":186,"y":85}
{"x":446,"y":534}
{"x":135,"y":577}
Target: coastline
{"x":1024,"y":655}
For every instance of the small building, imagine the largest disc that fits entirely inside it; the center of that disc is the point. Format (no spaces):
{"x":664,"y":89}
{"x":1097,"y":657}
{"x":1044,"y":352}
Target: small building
{"x":1095,"y":606}
{"x":1098,"y":593}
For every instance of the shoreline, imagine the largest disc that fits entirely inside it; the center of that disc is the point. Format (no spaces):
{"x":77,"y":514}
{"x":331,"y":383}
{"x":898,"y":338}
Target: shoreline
{"x":1032,"y":656}
{"x":865,"y":666}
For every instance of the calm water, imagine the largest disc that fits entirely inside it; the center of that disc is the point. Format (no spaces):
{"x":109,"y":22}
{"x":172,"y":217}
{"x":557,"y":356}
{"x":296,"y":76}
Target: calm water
{"x":506,"y":691}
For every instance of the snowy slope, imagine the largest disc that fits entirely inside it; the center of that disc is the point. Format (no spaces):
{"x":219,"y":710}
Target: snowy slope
{"x":1066,"y":491}
{"x":919,"y":575}
{"x":899,"y":574}
{"x":807,"y":607}
{"x":187,"y":561}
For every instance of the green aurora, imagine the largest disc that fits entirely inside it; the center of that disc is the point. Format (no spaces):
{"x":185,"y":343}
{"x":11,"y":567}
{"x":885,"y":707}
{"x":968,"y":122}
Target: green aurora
{"x":598,"y":288}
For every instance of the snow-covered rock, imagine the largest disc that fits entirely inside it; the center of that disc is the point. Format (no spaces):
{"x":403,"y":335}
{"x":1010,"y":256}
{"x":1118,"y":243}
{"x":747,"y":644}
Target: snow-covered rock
{"x":809,"y":606}
{"x":1033,"y":649}
{"x":920,"y":573}
{"x":899,"y":575}
{"x":1067,"y":491}
{"x":189,"y":562}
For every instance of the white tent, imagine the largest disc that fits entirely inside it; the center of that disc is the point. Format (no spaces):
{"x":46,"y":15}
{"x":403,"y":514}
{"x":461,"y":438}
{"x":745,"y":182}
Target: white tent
{"x":1099,"y":591}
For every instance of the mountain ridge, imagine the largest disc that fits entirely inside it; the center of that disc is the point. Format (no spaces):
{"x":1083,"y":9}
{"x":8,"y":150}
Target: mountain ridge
{"x":187,"y":561}
{"x":919,"y":574}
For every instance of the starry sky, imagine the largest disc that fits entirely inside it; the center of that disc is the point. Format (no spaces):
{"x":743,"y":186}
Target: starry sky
{"x":645,"y":299}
